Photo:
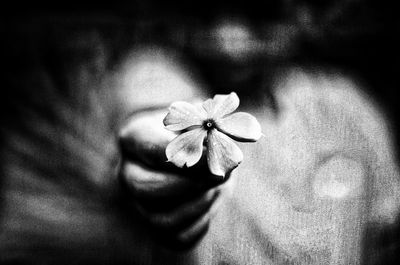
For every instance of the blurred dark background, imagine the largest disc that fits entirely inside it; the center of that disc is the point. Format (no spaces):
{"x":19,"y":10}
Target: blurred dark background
{"x":359,"y":37}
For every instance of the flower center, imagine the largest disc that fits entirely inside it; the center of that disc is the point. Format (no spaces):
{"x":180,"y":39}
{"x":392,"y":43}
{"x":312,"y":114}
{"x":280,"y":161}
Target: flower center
{"x":208,"y":124}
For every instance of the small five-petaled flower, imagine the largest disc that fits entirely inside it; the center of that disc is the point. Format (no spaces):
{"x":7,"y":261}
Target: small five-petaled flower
{"x":214,"y":124}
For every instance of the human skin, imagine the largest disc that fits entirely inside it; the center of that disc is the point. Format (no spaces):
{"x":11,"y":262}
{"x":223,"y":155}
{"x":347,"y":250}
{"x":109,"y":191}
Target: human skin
{"x":177,"y":203}
{"x":313,"y":160}
{"x":68,"y":193}
{"x":83,"y":199}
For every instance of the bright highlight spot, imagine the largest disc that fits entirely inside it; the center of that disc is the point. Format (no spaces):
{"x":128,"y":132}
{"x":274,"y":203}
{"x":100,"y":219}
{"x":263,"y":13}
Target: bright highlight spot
{"x":153,"y":78}
{"x":234,"y":39}
{"x":339,"y":178}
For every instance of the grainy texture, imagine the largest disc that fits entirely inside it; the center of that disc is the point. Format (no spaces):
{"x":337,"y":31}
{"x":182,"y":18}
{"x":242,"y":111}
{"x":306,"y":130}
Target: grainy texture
{"x":322,"y":186}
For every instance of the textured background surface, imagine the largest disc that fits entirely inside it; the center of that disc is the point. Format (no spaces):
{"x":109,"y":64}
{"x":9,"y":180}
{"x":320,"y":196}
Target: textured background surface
{"x":320,"y":188}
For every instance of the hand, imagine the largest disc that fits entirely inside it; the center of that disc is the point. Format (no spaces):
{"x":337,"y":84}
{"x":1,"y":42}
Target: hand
{"x":176,"y":203}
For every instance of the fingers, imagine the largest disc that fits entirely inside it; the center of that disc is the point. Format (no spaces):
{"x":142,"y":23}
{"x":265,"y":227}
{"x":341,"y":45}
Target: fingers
{"x":182,"y":215}
{"x":144,"y":137}
{"x":146,"y":183}
{"x":184,"y":226}
{"x":192,"y":233}
{"x":175,"y":202}
{"x":176,"y":208}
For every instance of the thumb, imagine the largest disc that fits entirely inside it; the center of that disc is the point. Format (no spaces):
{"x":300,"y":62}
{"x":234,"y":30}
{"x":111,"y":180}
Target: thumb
{"x":144,"y":137}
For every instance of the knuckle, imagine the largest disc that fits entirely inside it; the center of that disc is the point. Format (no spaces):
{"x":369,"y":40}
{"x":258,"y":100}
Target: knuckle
{"x":135,"y":178}
{"x":130,"y":173}
{"x":194,"y":232}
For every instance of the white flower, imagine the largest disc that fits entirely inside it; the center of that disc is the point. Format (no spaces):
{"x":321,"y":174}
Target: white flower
{"x":213,"y":124}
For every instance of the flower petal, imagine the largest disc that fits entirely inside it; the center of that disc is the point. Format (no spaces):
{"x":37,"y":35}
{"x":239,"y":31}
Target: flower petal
{"x":183,"y":115}
{"x":240,"y":126}
{"x":221,"y":105}
{"x":223,"y":155}
{"x":187,"y":148}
